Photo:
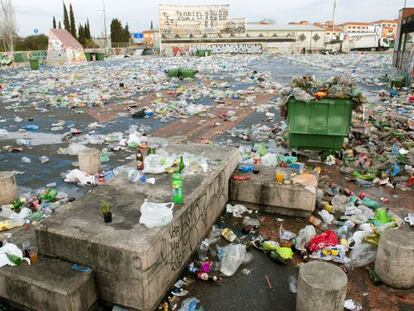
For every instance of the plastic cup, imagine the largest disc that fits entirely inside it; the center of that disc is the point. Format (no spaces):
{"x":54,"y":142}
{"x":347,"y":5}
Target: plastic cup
{"x":280,"y":176}
{"x":26,"y":245}
{"x":34,"y":256}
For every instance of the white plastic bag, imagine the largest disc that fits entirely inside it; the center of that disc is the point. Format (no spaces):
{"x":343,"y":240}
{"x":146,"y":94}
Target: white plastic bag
{"x":10,"y":249}
{"x":156,"y":164}
{"x":285,"y":234}
{"x":156,"y":214}
{"x":234,"y":256}
{"x":305,"y":235}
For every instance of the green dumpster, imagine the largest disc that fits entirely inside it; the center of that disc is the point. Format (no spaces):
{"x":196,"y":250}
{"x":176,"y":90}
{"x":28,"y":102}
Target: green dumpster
{"x":100,"y":56}
{"x":319,"y":124}
{"x":172,"y":73}
{"x":203,"y":53}
{"x":187,"y":73}
{"x":398,"y":81}
{"x":34,"y":64}
{"x":88,"y":56}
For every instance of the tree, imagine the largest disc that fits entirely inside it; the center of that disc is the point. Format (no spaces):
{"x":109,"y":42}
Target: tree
{"x":60,"y":25}
{"x":54,"y":23}
{"x":152,"y":25}
{"x":116,"y":30}
{"x":72,"y":21}
{"x":81,"y":36}
{"x":87,"y":30}
{"x":126,"y":34}
{"x":8,"y":27}
{"x":66,"y":18}
{"x":32,"y":43}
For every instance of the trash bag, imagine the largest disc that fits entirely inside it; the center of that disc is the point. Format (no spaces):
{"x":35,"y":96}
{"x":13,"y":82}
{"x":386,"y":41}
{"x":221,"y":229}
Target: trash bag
{"x":327,"y":238}
{"x":362,"y":255}
{"x":156,"y":214}
{"x":285,"y":234}
{"x":234,"y":256}
{"x":305,"y":235}
{"x":156,"y":164}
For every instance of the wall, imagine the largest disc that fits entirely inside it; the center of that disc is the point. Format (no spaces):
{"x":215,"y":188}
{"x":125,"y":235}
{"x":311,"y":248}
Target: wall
{"x":187,"y":49}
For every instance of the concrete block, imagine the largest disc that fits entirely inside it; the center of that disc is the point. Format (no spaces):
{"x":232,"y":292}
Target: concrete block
{"x":395,"y":258}
{"x":48,"y":285}
{"x":8,"y":187}
{"x":89,"y":161}
{"x":321,"y":287}
{"x":135,"y":265}
{"x":263,"y":193}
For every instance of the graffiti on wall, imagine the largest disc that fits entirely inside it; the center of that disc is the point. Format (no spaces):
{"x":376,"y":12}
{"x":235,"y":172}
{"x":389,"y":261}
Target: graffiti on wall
{"x":176,"y":20}
{"x":230,"y":48}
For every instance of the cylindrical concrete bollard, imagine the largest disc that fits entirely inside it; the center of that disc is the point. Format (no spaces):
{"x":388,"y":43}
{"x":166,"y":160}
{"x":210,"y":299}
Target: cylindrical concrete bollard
{"x":8,"y":187}
{"x":321,"y":287}
{"x":89,"y":161}
{"x":395,"y":258}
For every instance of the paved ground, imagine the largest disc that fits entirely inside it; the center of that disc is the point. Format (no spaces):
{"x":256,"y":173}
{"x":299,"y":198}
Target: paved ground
{"x":241,"y":292}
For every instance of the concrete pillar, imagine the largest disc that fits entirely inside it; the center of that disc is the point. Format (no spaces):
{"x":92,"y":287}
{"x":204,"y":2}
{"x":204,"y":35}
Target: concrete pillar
{"x":321,"y":287}
{"x":89,"y":161}
{"x":8,"y":187}
{"x":395,"y":258}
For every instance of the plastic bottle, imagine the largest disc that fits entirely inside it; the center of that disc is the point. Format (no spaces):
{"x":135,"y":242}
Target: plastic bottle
{"x":202,"y":250}
{"x":140,"y":160}
{"x":293,"y":284}
{"x":177,"y":188}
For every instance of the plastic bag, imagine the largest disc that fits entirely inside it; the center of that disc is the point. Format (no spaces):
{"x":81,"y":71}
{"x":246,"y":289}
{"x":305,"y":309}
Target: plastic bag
{"x":362,"y":255}
{"x":304,"y":236}
{"x":270,"y":159}
{"x":326,"y":216}
{"x":327,"y":238}
{"x":156,"y":164}
{"x":156,"y":214}
{"x":12,"y":250}
{"x":237,"y":210}
{"x":285,"y":234}
{"x":189,"y":304}
{"x":234,"y":255}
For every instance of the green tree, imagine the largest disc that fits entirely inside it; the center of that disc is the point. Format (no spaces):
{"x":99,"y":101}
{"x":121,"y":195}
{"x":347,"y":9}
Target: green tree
{"x":32,"y":43}
{"x":81,"y":35}
{"x":116,"y":30}
{"x":152,"y":25}
{"x":66,"y":23}
{"x":126,"y":34}
{"x":72,"y":21}
{"x":54,"y":22}
{"x":87,"y":30}
{"x":60,"y":25}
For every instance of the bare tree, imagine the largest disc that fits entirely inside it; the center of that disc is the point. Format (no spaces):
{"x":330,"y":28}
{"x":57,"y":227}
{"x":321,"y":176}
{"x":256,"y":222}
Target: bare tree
{"x":8,"y":27}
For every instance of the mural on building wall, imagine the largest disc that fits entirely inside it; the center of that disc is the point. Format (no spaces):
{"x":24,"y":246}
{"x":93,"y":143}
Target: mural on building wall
{"x":197,"y":20}
{"x":64,"y":49}
{"x":229,"y":48}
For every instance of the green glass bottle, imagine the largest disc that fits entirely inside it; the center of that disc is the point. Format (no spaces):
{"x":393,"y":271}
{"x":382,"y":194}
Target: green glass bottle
{"x":177,"y":188}
{"x":182,"y":166}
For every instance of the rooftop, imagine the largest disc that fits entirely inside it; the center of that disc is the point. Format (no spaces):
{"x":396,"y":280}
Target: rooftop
{"x":262,"y":27}
{"x":66,"y":38}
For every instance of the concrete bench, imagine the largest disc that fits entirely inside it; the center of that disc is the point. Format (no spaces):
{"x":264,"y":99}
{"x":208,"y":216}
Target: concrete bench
{"x":134,"y":265}
{"x":263,"y":193}
{"x":48,"y":285}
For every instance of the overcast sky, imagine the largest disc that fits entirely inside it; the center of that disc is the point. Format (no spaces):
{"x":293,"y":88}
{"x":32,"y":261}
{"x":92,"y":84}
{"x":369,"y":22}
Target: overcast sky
{"x":38,"y":14}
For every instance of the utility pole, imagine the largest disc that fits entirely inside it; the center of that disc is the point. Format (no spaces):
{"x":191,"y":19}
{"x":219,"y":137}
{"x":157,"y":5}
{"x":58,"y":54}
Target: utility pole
{"x":333,"y":18}
{"x":405,"y":4}
{"x":106,"y":35}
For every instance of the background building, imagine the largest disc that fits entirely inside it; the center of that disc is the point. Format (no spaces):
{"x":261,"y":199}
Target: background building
{"x":64,"y":49}
{"x":186,"y":28}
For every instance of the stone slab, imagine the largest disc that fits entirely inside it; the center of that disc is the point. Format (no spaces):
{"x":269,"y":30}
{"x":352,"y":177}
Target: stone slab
{"x":48,"y":285}
{"x":263,"y":193}
{"x":135,"y":265}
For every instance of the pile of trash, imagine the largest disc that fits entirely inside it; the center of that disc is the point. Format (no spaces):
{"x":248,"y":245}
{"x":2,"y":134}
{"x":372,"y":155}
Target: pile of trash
{"x":30,"y":208}
{"x":307,"y":89}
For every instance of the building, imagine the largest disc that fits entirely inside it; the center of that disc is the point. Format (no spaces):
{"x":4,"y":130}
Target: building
{"x":186,"y":28}
{"x":388,"y":28}
{"x":403,"y":59}
{"x":64,"y":49}
{"x":357,"y":27}
{"x":151,"y":38}
{"x":305,"y":36}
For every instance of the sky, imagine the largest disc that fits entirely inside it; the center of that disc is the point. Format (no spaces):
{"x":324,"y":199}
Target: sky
{"x":38,"y":14}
